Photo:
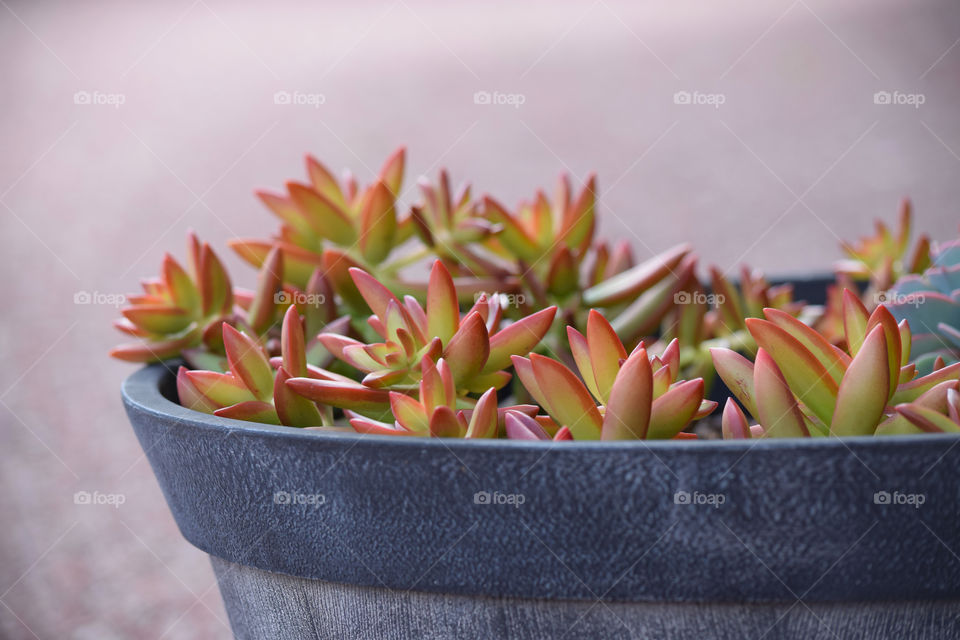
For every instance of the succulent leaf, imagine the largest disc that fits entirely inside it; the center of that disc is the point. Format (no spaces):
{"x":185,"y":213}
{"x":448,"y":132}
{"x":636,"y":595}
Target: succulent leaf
{"x":628,"y":407}
{"x":777,"y":408}
{"x":864,"y":392}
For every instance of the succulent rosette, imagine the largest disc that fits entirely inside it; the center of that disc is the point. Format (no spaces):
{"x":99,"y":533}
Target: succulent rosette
{"x":931,"y":303}
{"x":180,"y":310}
{"x":801,"y":385}
{"x":621,"y":396}
{"x":558,"y":261}
{"x":704,"y":319}
{"x":884,"y":257}
{"x":325,"y":220}
{"x":436,"y":410}
{"x":475,"y":348}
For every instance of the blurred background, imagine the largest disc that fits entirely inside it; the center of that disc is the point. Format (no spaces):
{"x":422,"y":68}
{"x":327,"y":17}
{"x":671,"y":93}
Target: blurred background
{"x":762,"y":132}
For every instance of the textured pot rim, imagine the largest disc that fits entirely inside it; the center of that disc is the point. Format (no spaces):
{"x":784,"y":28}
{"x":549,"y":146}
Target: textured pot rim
{"x":142,"y":389}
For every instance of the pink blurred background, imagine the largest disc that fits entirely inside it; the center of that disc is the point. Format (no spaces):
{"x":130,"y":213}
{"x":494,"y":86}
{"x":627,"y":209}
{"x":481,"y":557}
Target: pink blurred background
{"x":179,"y":123}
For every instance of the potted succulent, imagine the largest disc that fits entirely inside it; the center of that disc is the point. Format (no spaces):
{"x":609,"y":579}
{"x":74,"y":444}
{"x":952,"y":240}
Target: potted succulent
{"x":528,"y":443}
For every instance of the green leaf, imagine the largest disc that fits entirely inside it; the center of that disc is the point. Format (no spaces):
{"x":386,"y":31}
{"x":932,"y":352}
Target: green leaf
{"x":737,"y":373}
{"x":326,"y":217}
{"x":292,"y":345}
{"x":392,"y":171}
{"x":927,"y":419}
{"x":568,"y":401}
{"x":734,"y":422}
{"x":855,"y":318}
{"x":215,"y":289}
{"x":344,"y":395}
{"x":863,"y":392}
{"x":805,"y":375}
{"x":628,"y":284}
{"x":378,"y":224}
{"x":812,"y":341}
{"x":409,"y":413}
{"x":248,"y":362}
{"x":468,"y":349}
{"x":182,"y":291}
{"x":627,"y":414}
{"x":673,"y":411}
{"x":483,"y":419}
{"x":777,"y":408}
{"x":606,"y":353}
{"x":910,"y":391}
{"x":292,"y":409}
{"x":269,"y":284}
{"x":443,"y":310}
{"x":250,"y":411}
{"x":517,"y":338}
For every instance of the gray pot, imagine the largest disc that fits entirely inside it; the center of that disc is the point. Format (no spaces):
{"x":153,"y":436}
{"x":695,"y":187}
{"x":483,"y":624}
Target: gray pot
{"x":316,"y":535}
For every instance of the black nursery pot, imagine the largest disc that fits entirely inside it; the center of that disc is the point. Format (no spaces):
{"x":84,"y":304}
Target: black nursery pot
{"x":337,"y":535}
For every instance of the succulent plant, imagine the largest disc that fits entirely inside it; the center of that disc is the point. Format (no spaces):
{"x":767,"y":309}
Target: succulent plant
{"x":557,"y":261}
{"x":547,"y":240}
{"x":453,"y":228}
{"x":435,"y":356}
{"x":251,"y":389}
{"x":801,"y":385}
{"x":324,"y":212}
{"x":702,"y":321}
{"x":474,"y":347}
{"x":436,"y":412}
{"x":639,"y":395}
{"x":884,"y":257}
{"x":181,"y":309}
{"x":930,"y":302}
{"x":182,"y":312}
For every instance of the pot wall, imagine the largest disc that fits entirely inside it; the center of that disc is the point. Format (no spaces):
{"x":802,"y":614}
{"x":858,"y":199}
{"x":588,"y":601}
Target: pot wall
{"x":858,"y":519}
{"x":268,"y":605}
